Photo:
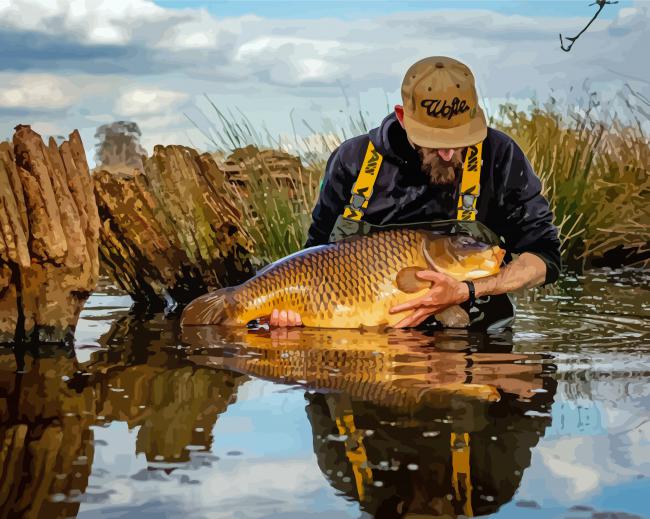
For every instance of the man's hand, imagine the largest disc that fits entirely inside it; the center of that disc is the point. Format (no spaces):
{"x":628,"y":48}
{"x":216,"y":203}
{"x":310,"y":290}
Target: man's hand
{"x":445,"y":291}
{"x":528,"y":270}
{"x":285,"y":318}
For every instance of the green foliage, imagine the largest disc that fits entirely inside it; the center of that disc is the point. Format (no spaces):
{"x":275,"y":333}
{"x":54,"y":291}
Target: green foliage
{"x":277,"y":213}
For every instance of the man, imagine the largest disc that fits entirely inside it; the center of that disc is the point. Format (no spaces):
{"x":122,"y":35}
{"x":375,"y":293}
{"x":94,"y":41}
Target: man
{"x":424,"y":147}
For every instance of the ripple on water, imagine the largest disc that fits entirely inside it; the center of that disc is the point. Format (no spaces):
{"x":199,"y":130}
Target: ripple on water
{"x":552,"y":416}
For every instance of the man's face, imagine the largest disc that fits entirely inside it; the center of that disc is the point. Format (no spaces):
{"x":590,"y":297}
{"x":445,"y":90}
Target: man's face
{"x":441,"y":166}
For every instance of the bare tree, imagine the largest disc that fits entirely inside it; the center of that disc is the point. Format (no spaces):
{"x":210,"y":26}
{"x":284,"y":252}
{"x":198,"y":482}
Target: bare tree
{"x":572,"y":39}
{"x":119,"y":146}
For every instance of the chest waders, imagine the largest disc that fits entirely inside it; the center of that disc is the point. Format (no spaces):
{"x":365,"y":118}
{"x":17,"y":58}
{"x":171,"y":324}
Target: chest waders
{"x":351,"y":222}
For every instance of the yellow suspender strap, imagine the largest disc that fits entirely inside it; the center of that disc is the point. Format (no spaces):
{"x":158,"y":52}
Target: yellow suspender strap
{"x":461,"y":478}
{"x":362,"y":189}
{"x":340,"y":407}
{"x":356,"y":453}
{"x":469,"y":187}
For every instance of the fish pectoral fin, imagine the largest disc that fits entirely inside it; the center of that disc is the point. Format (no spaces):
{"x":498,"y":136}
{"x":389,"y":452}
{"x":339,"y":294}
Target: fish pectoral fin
{"x":453,"y":317}
{"x":407,"y":282}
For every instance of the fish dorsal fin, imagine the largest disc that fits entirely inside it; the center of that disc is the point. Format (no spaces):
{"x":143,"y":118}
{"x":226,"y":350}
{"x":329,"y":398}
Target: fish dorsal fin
{"x":407,"y":281}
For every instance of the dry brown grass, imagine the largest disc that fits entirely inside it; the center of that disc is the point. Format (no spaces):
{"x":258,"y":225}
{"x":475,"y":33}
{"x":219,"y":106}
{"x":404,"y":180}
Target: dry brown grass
{"x":595,"y":175}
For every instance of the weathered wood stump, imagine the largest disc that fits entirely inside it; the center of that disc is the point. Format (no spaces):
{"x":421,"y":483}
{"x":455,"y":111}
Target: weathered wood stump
{"x":170,"y":233}
{"x":49,"y":231}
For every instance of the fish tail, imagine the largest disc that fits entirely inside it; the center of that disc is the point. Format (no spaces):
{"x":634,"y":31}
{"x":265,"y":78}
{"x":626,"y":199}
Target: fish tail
{"x":212,"y":308}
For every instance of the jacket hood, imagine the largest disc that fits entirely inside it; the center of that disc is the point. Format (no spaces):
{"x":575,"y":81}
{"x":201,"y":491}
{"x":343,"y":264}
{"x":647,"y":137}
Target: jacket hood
{"x":389,"y":138}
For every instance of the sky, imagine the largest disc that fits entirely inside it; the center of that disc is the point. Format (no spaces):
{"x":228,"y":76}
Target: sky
{"x":292,"y":67}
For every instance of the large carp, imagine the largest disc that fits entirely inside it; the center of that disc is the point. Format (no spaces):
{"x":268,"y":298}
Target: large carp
{"x":351,"y":283}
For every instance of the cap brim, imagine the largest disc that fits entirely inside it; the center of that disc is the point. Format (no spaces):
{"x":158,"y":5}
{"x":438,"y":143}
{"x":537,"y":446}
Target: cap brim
{"x":458,"y":137}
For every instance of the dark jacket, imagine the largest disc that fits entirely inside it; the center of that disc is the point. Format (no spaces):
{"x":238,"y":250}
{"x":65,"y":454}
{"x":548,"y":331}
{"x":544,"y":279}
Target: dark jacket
{"x":510,"y":202}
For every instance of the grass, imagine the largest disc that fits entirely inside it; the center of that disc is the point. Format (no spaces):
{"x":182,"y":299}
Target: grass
{"x":593,"y":166}
{"x":594,"y":172}
{"x":274,"y":219}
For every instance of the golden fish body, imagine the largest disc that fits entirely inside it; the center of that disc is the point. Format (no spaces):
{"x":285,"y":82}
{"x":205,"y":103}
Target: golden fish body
{"x":347,"y":284}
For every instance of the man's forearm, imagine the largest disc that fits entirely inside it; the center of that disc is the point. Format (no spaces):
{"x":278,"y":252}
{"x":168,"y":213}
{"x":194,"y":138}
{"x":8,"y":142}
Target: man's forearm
{"x":526,"y":271}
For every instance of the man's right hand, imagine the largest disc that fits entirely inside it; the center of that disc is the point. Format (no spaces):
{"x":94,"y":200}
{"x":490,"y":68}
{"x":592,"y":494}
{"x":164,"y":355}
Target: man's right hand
{"x":285,"y":318}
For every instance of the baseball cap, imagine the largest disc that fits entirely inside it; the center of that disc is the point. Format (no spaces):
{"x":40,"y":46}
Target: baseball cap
{"x":441,"y":107}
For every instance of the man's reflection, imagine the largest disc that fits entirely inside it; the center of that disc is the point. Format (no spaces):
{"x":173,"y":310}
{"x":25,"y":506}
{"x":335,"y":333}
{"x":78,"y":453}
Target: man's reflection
{"x":465,"y":460}
{"x":408,"y":425}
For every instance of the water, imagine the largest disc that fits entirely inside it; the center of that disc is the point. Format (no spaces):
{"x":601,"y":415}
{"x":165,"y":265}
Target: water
{"x":551,"y":420}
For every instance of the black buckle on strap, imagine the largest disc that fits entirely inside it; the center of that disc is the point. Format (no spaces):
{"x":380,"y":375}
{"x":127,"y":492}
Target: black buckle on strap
{"x":357,"y":201}
{"x":468,"y":201}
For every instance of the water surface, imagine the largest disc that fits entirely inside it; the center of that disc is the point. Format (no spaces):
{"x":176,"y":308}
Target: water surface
{"x":551,"y":419}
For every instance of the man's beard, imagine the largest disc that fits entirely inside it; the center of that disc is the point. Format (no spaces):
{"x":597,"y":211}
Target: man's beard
{"x":438,"y":170}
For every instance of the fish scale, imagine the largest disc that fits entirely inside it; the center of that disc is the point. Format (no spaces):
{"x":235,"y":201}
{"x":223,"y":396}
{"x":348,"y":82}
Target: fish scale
{"x":346,"y":284}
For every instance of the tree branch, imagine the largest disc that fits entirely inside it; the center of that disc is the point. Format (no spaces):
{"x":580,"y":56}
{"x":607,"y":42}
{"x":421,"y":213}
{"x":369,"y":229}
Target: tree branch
{"x":572,"y":39}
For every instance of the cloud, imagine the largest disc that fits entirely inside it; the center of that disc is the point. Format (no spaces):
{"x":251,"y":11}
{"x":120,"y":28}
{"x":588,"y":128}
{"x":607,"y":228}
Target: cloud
{"x":140,"y":38}
{"x":38,"y":92}
{"x":147,"y":101}
{"x":198,"y":31}
{"x":139,"y":60}
{"x":86,"y":21}
{"x":312,"y":59}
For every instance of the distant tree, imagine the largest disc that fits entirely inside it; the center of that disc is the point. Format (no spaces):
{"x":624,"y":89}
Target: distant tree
{"x":119,"y":146}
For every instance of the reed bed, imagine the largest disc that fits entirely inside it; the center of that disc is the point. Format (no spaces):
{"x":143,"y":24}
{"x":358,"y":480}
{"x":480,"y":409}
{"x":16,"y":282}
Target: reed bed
{"x":594,"y":170}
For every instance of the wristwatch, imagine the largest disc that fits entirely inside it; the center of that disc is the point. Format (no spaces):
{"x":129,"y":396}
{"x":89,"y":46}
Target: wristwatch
{"x":472,"y":293}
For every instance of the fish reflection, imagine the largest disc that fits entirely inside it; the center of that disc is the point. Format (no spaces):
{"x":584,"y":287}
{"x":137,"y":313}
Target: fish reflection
{"x":408,"y":425}
{"x":400,"y":368}
{"x":48,"y":410}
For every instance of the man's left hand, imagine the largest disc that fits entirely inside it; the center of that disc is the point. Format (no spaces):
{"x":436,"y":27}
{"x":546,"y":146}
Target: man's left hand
{"x":445,"y":291}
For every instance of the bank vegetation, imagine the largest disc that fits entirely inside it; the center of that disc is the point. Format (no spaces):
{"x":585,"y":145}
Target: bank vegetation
{"x":594,"y":170}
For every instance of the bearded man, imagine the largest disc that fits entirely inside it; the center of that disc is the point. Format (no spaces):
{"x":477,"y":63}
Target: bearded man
{"x":422,"y":148}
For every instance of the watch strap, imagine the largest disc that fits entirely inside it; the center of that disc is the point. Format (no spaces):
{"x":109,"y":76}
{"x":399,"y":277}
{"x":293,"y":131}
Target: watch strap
{"x":472,"y":293}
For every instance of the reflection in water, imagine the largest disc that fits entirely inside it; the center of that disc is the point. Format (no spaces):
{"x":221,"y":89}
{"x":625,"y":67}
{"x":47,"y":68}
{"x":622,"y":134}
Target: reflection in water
{"x":47,"y":410}
{"x":45,"y":437}
{"x":147,"y":384}
{"x":402,"y":422}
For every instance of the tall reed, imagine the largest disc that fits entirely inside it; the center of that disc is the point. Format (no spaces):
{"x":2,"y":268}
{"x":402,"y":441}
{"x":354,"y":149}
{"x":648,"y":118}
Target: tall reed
{"x":594,"y":170}
{"x":276,"y":214}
